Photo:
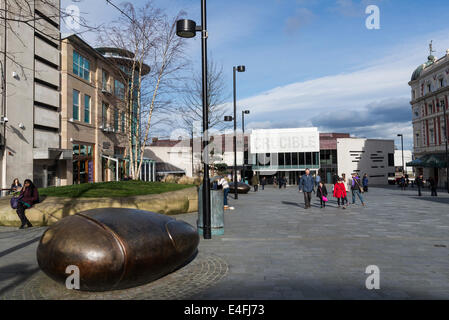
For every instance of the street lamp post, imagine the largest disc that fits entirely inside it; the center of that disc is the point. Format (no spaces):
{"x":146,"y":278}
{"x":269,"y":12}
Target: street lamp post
{"x":243,"y":130}
{"x":187,"y":29}
{"x":235,"y":70}
{"x":402,"y":147}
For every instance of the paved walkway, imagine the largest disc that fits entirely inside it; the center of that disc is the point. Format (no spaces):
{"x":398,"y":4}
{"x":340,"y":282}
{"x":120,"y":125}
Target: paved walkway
{"x":274,"y":249}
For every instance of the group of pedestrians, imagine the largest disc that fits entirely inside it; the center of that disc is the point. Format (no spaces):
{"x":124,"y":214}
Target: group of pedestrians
{"x":432,"y":184}
{"x":340,"y":191}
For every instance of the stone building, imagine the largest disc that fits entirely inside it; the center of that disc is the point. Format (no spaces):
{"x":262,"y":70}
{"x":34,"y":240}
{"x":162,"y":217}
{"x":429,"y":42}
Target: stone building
{"x":429,"y":91}
{"x":94,"y":116}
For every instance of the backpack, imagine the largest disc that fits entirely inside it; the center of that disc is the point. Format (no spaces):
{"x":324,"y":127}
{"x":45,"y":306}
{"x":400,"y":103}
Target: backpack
{"x":15,"y":201}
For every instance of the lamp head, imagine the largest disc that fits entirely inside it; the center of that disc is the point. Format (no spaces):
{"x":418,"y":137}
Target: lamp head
{"x":246,"y":112}
{"x":228,"y":118}
{"x":186,"y":28}
{"x":241,"y":68}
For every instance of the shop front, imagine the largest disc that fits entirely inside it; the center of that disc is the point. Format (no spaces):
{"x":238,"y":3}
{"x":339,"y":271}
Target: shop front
{"x":83,"y":163}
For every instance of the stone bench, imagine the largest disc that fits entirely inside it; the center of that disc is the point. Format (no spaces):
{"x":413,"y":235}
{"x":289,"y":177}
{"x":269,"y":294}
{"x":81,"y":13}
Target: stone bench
{"x":53,"y":209}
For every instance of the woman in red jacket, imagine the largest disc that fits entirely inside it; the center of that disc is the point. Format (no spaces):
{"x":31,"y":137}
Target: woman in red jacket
{"x":340,"y":192}
{"x":28,"y":196}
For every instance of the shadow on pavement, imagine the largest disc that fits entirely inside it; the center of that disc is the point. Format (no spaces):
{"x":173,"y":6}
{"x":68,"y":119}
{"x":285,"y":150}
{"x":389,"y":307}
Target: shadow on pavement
{"x":20,"y":272}
{"x":432,"y":199}
{"x":18,"y":247}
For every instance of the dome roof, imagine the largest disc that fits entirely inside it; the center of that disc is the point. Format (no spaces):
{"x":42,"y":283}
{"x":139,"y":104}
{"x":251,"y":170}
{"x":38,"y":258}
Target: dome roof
{"x":417,"y":73}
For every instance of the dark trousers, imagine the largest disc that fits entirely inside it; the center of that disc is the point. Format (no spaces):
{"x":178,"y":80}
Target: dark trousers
{"x":419,"y":191}
{"x":322,"y":202}
{"x":365,"y":188}
{"x":21,"y":213}
{"x":263,"y":187}
{"x":256,"y":187}
{"x":434,"y":192}
{"x":307,"y":199}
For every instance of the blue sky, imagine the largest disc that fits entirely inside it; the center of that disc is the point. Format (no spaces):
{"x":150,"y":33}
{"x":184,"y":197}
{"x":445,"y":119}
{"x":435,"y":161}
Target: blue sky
{"x":313,"y":62}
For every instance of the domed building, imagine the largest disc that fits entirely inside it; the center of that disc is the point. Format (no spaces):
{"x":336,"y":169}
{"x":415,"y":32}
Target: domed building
{"x":430,"y":91}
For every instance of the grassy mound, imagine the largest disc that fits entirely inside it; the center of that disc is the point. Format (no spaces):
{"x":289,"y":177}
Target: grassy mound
{"x":111,"y":189}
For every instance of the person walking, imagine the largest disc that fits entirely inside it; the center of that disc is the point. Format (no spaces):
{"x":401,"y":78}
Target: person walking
{"x":281,"y":182}
{"x":365,"y":182}
{"x":28,"y":197}
{"x":419,"y":184}
{"x":340,"y":192}
{"x":263,"y":182}
{"x":16,"y":185}
{"x":255,"y":182}
{"x":321,"y":193}
{"x":306,"y":186}
{"x":433,"y":187}
{"x":356,"y":188}
{"x":402,"y":183}
{"x":225,"y":185}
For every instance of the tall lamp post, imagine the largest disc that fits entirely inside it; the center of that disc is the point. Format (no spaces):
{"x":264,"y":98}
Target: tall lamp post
{"x":235,"y":70}
{"x":243,"y":130}
{"x":187,"y":29}
{"x":402,"y":147}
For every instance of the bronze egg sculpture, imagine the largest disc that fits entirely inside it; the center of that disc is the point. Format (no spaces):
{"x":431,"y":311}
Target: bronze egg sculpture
{"x":116,"y":248}
{"x":241,"y":187}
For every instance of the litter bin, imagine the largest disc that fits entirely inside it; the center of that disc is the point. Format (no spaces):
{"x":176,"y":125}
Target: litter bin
{"x":216,"y":211}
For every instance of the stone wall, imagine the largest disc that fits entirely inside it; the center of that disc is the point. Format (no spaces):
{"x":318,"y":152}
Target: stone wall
{"x":53,"y":209}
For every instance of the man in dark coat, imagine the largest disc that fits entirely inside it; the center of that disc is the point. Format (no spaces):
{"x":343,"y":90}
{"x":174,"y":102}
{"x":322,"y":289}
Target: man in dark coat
{"x":306,"y":186}
{"x":419,"y":184}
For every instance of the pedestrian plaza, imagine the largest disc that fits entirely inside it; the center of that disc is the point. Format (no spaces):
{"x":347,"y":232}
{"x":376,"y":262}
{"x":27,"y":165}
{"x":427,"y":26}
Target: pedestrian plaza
{"x":275,"y":249}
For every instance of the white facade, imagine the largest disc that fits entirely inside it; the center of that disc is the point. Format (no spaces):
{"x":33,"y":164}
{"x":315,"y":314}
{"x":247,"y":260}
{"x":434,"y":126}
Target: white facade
{"x":285,"y":140}
{"x":373,"y":157}
{"x":408,"y":157}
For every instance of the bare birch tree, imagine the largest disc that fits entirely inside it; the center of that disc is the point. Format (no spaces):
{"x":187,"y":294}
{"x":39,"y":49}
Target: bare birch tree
{"x":157,"y":56}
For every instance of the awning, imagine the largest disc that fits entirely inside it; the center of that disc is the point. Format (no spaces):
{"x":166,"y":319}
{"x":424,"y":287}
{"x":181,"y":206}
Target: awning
{"x":437,"y":160}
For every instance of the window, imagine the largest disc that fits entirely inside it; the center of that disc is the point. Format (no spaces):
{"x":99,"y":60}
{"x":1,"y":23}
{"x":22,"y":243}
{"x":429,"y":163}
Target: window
{"x":316,"y":158}
{"x":104,"y":115}
{"x":308,"y":158}
{"x":123,"y":122}
{"x":86,"y":108}
{"x":76,"y":105}
{"x":288,"y":159}
{"x":119,"y":89}
{"x":281,"y":159}
{"x":105,"y":80}
{"x":429,"y":88}
{"x":294,"y":159}
{"x":391,"y":159}
{"x":441,"y":82}
{"x":81,"y":66}
{"x":116,"y":120}
{"x":302,"y":160}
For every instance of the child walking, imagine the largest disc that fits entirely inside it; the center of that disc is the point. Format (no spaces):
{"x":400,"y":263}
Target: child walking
{"x":321,"y":193}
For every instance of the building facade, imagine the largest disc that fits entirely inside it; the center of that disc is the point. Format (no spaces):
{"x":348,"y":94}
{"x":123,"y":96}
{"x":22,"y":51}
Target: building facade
{"x":94,"y":115}
{"x":429,"y":93}
{"x":30,"y":70}
{"x":366,"y":156}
